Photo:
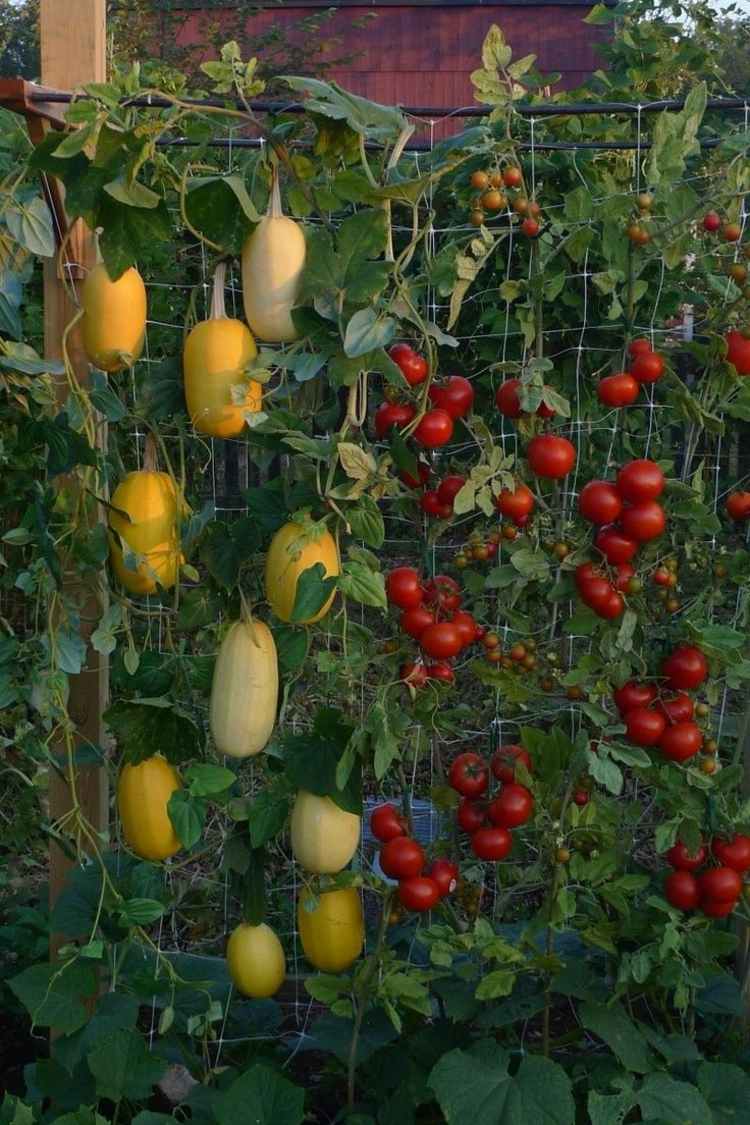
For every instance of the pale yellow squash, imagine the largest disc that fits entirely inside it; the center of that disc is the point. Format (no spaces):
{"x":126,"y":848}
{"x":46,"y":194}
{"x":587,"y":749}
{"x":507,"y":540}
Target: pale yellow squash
{"x":216,"y":355}
{"x":113,"y":327}
{"x":324,"y":837}
{"x":273,"y":258}
{"x":150,"y":500}
{"x":332,"y":934}
{"x":245,"y":690}
{"x":143,"y":793}
{"x":291,"y":551}
{"x":255,"y":959}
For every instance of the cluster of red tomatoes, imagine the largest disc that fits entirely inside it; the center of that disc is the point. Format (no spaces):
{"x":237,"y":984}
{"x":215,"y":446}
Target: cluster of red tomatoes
{"x":493,"y":198}
{"x":622,"y":389}
{"x":452,"y":399}
{"x":402,"y":858}
{"x":717,"y":889}
{"x":488,"y":823}
{"x":627,"y":514}
{"x":438,"y":502}
{"x":666,"y":721}
{"x":730,"y":232}
{"x":432,"y":615}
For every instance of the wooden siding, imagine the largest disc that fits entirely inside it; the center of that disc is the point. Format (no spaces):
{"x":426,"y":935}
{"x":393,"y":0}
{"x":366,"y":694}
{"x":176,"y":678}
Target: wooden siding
{"x":418,"y":55}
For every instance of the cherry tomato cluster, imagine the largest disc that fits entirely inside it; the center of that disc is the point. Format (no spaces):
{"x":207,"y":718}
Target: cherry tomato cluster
{"x":730,"y":231}
{"x":637,"y":230}
{"x":622,"y":389}
{"x":489,"y":822}
{"x":432,"y":615}
{"x":402,"y":858}
{"x":451,"y":399}
{"x":665,"y":577}
{"x":502,"y":190}
{"x":715,"y":890}
{"x":666,"y":720}
{"x":627,"y":514}
{"x":438,"y":502}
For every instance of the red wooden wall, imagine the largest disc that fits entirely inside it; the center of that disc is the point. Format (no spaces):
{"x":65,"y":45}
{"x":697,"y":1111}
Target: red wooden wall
{"x":423,"y":55}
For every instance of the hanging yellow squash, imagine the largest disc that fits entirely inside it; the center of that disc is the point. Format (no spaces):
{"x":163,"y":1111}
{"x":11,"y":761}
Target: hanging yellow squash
{"x":333,"y":933}
{"x":143,"y":793}
{"x":324,"y":837}
{"x":150,"y":500}
{"x":255,"y":959}
{"x":113,"y":327}
{"x":245,"y":690}
{"x":292,"y":550}
{"x":273,"y":258}
{"x":217,"y":353}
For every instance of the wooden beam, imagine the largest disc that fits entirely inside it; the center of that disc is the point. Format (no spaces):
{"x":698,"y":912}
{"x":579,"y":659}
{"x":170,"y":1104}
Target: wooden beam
{"x":73,"y":49}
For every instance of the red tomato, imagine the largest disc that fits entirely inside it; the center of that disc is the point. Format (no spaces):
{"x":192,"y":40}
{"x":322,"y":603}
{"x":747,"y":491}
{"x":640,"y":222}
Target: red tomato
{"x":413,"y":365}
{"x":419,"y":893}
{"x":469,"y":775}
{"x":551,"y":456}
{"x":632,"y":695}
{"x":640,"y":480}
{"x":685,"y":668}
{"x":613,"y":606}
{"x":738,"y":506}
{"x":681,"y":741}
{"x":445,"y":874}
{"x":431,"y":504}
{"x":662,"y":576}
{"x":720,"y":884}
{"x":435,"y":429}
{"x":402,"y":858}
{"x":507,"y":400}
{"x":581,"y":797}
{"x":711,"y":221}
{"x":682,"y":860}
{"x":516,"y":502}
{"x":738,"y":351}
{"x":387,"y":823}
{"x":415,"y":621}
{"x":513,"y":807}
{"x":441,"y":640}
{"x":530,"y":228}
{"x":403,"y":587}
{"x":640,"y":346}
{"x":443,"y":591}
{"x":645,"y":725}
{"x":471,"y":814}
{"x":390,"y":414}
{"x":491,"y":843}
{"x":644,"y":521}
{"x":615,"y":545}
{"x":512,"y":177}
{"x":595,"y":592}
{"x":648,"y":367}
{"x":456,"y":396}
{"x":441,"y":671}
{"x":713,"y":909}
{"x":599,"y":502}
{"x":413,"y":482}
{"x":414,"y":674}
{"x":449,"y":488}
{"x":624,"y":573}
{"x":681,"y":890}
{"x":618,"y":390}
{"x":678,"y":708}
{"x":504,"y":762}
{"x":585,"y":572}
{"x":466,"y":626}
{"x":734,"y":853}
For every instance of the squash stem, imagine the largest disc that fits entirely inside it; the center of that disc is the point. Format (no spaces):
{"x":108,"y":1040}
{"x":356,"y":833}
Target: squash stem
{"x":218,"y":305}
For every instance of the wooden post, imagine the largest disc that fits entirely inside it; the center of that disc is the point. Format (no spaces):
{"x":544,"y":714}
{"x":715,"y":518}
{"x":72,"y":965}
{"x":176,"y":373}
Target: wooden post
{"x":73,"y":49}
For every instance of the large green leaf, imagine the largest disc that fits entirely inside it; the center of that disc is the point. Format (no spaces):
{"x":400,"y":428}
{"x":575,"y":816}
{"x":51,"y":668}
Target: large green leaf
{"x":263,"y":1096}
{"x":219,"y":208}
{"x":123,"y":1066}
{"x":153,"y":726}
{"x":666,"y":1100}
{"x":53,"y":995}
{"x":614,"y":1026}
{"x":365,"y":117}
{"x":130,"y":232}
{"x":475,"y":1086}
{"x":726,"y":1088}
